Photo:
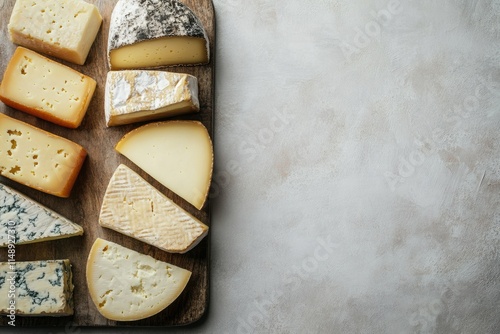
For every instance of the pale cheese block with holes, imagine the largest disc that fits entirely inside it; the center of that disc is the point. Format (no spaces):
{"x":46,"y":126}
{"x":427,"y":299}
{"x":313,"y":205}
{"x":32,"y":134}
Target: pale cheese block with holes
{"x":37,"y":158}
{"x":141,"y":95}
{"x":46,"y":89}
{"x":135,"y":208}
{"x":126,"y":285}
{"x":152,"y":33}
{"x":42,"y":288}
{"x":24,"y":221}
{"x":178,"y":154}
{"x":65,"y":29}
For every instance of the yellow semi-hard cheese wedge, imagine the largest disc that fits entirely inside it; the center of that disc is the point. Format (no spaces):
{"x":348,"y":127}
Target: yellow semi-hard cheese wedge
{"x":135,"y":208}
{"x":65,"y":29}
{"x":178,"y":154}
{"x":37,"y":158}
{"x":46,"y":89}
{"x":126,"y":285}
{"x":151,"y":33}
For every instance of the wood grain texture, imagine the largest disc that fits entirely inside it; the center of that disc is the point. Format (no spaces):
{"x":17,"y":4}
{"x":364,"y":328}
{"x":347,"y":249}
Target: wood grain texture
{"x":84,"y":204}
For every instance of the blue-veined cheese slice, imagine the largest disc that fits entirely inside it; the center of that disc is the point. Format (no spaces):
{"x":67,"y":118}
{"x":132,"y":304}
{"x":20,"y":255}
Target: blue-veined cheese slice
{"x":24,"y":221}
{"x":126,"y":285}
{"x":42,"y":288}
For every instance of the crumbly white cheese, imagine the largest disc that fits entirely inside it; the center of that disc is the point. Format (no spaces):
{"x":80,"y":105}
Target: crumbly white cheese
{"x":126,"y":285}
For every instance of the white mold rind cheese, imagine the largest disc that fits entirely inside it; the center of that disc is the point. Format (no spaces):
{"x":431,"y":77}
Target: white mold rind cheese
{"x":141,"y":95}
{"x":155,"y":33}
{"x":24,"y":221}
{"x":42,"y":288}
{"x":126,"y":285}
{"x":135,"y":208}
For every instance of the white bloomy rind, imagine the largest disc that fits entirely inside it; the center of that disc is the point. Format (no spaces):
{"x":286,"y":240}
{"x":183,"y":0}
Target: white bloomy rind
{"x":135,"y":208}
{"x":141,"y":95}
{"x":126,"y":285}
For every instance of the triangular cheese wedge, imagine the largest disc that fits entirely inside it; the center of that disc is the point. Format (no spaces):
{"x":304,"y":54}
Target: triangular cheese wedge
{"x":178,"y":154}
{"x":25,"y":221}
{"x":126,"y":285}
{"x":135,"y":208}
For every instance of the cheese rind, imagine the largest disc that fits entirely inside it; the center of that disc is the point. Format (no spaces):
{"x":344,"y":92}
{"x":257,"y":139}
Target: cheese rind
{"x":126,"y":285}
{"x":65,"y":29}
{"x":46,"y":89}
{"x":137,"y":96}
{"x":37,"y":158}
{"x":178,"y":154}
{"x":42,"y":288}
{"x":24,"y":221}
{"x":154,"y":33}
{"x":135,"y":208}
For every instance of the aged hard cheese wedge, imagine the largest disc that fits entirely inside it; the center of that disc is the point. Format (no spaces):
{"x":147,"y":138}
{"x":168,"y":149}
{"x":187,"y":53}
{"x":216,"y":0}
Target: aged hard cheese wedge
{"x":46,"y":89}
{"x":42,"y":288}
{"x":24,"y":221}
{"x":37,"y":158}
{"x":153,"y":33}
{"x":126,"y":285}
{"x":178,"y":154}
{"x":135,"y":208}
{"x":137,"y":96}
{"x":64,"y":29}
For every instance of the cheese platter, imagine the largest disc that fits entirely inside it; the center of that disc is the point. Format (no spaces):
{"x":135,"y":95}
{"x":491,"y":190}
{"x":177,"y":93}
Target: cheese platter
{"x":81,"y":204}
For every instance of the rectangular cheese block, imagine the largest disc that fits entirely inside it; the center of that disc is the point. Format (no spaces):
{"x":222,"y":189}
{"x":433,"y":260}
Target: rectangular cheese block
{"x":65,"y":29}
{"x":24,"y":221}
{"x":37,"y":158}
{"x":38,"y":288}
{"x":137,"y":96}
{"x":46,"y":89}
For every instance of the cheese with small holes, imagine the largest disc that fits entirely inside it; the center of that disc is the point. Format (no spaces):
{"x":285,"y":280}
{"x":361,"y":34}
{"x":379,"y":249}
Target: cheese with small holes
{"x":24,"y":221}
{"x":65,"y":29}
{"x":155,"y":33}
{"x":37,"y":158}
{"x":135,"y":208}
{"x":126,"y":285}
{"x":178,"y":154}
{"x":138,"y":96}
{"x":46,"y":89}
{"x":41,"y":288}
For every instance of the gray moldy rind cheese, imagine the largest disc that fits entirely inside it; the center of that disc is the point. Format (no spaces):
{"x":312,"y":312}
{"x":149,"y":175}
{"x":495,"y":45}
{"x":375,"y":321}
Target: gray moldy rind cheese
{"x":155,"y":33}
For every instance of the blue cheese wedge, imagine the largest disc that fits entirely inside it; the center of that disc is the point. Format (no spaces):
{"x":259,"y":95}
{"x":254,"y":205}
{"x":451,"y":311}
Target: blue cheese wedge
{"x":141,"y":95}
{"x":126,"y":285}
{"x":24,"y":221}
{"x":135,"y":208}
{"x":42,"y":288}
{"x":155,"y":33}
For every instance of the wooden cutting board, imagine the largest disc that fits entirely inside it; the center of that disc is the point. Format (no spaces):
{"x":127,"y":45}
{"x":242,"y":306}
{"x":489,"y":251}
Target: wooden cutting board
{"x":84,"y":204}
